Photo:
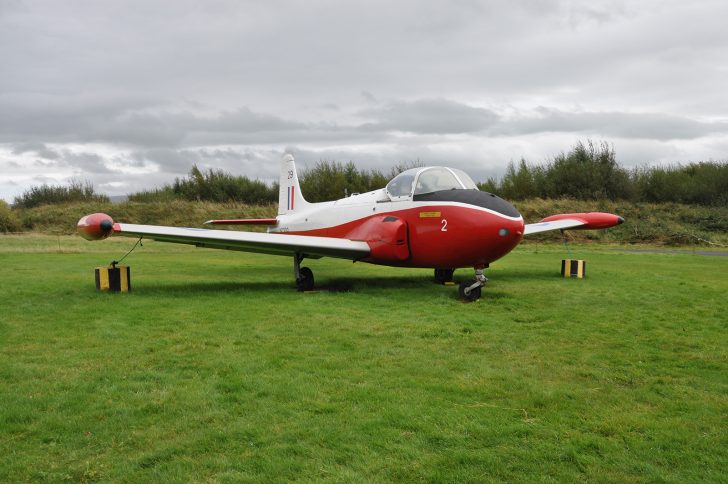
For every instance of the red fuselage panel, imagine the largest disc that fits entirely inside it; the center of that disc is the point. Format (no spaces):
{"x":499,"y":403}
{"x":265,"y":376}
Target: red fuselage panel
{"x":439,"y":236}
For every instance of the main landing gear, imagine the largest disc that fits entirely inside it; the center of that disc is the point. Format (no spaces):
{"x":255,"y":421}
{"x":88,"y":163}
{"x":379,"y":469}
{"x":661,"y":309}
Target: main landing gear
{"x":304,"y":275}
{"x":443,"y":276}
{"x":470,"y":290}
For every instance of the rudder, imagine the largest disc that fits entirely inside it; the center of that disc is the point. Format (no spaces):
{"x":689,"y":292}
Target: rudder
{"x":290,"y":198}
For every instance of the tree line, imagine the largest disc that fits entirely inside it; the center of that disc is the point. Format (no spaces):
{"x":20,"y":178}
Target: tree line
{"x":589,"y":171}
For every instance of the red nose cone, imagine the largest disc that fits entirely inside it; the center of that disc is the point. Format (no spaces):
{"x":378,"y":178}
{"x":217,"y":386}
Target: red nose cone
{"x":96,"y":226}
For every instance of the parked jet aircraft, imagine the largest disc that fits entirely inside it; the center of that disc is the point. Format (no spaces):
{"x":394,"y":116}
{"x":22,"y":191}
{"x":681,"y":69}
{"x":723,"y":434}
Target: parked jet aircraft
{"x":432,"y":217}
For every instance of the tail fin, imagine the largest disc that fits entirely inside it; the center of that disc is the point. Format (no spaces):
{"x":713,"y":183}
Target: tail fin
{"x":290,"y":198}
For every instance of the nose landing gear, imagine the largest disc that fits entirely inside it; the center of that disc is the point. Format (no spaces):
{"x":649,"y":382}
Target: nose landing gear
{"x":470,"y":290}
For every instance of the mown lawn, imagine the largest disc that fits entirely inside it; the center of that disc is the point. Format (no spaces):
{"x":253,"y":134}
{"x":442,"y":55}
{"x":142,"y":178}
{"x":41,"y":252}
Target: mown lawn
{"x":215,"y":369}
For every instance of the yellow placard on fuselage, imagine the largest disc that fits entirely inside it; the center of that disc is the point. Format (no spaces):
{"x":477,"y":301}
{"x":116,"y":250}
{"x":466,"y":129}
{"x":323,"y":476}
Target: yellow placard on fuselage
{"x":430,"y":214}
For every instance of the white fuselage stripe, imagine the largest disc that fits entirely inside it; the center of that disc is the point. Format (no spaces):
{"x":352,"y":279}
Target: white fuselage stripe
{"x":330,"y":214}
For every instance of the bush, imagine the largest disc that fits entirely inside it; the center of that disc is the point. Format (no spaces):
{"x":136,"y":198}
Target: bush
{"x":164,"y":194}
{"x":700,"y":183}
{"x":520,"y":183}
{"x":587,"y":172}
{"x":218,"y":186}
{"x":330,"y":180}
{"x":75,"y":191}
{"x":8,"y":220}
{"x":591,"y":172}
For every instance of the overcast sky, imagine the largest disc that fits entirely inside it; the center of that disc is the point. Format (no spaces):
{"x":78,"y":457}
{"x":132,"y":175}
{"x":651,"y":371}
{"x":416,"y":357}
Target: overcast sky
{"x":129,"y":94}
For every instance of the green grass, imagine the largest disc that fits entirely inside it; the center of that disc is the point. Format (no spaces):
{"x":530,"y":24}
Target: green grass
{"x":215,"y":369}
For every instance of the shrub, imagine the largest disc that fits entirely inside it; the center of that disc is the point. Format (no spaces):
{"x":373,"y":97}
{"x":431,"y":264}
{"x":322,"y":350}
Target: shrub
{"x":590,"y":172}
{"x":587,"y":172}
{"x":330,"y":180}
{"x":8,"y":220}
{"x":164,"y":194}
{"x":218,"y":186}
{"x":75,"y":191}
{"x":704,"y":183}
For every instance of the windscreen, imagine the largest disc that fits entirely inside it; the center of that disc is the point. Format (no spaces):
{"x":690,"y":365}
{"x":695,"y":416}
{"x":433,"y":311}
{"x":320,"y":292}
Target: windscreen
{"x":465,"y":179}
{"x":401,"y":185}
{"x":435,"y":180}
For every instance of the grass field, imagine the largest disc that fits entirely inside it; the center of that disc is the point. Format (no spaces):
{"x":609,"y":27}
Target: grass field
{"x":215,"y":369}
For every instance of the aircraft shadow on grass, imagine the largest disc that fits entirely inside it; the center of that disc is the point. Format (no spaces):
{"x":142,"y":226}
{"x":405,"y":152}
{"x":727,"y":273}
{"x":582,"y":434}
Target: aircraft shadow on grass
{"x":528,"y":275}
{"x":338,"y":284}
{"x":369,"y":285}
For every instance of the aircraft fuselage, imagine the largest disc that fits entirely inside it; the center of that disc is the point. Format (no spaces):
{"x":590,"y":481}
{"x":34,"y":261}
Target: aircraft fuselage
{"x":453,"y":228}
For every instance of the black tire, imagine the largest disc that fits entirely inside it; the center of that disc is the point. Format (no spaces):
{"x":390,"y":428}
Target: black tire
{"x":473,"y":295}
{"x":443,"y":275}
{"x":305,"y":281}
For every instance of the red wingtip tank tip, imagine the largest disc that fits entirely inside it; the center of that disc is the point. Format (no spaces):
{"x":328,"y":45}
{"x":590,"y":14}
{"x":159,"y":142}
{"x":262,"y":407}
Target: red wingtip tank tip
{"x":592,"y":220}
{"x":96,"y":226}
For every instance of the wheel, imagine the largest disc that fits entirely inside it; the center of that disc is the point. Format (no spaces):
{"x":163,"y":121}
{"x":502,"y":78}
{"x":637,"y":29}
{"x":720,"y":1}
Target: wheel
{"x":305,"y":281}
{"x":473,"y":294}
{"x":443,"y":275}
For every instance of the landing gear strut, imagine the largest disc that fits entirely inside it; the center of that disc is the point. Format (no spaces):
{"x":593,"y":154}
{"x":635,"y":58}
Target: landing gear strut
{"x":470,"y":290}
{"x":443,"y":276}
{"x":304,"y":275}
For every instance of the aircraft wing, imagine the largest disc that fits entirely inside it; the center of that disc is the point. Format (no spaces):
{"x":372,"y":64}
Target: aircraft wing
{"x":100,"y":226}
{"x":577,"y":221}
{"x":555,"y":225}
{"x":265,"y":243}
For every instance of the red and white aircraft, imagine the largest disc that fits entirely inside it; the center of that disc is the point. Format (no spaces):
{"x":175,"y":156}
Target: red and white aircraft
{"x":432,"y":217}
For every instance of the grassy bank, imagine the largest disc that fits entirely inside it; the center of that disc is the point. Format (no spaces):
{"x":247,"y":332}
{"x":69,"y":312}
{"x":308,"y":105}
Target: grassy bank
{"x":667,"y":223}
{"x":651,"y":223}
{"x":62,"y":219}
{"x":215,"y":369}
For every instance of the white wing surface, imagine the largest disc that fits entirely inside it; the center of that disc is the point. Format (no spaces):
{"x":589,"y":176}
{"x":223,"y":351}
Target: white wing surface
{"x":265,"y":243}
{"x":553,"y":225}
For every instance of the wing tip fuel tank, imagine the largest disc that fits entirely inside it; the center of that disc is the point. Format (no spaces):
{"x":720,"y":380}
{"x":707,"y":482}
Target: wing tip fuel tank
{"x":96,"y":226}
{"x":591,"y":220}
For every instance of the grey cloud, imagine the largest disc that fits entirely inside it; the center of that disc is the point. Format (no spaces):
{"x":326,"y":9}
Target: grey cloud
{"x":254,"y":163}
{"x":29,"y":120}
{"x":655,"y":126}
{"x":44,"y":180}
{"x":39,"y":149}
{"x":584,"y":13}
{"x":40,"y":163}
{"x":368,"y":96}
{"x":20,"y":148}
{"x":263,"y":75}
{"x":147,"y":127}
{"x":80,"y":162}
{"x":430,"y":116}
{"x":169,"y":160}
{"x":87,"y":163}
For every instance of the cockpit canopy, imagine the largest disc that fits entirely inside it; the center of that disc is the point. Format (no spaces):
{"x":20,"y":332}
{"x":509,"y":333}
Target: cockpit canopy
{"x":418,"y":181}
